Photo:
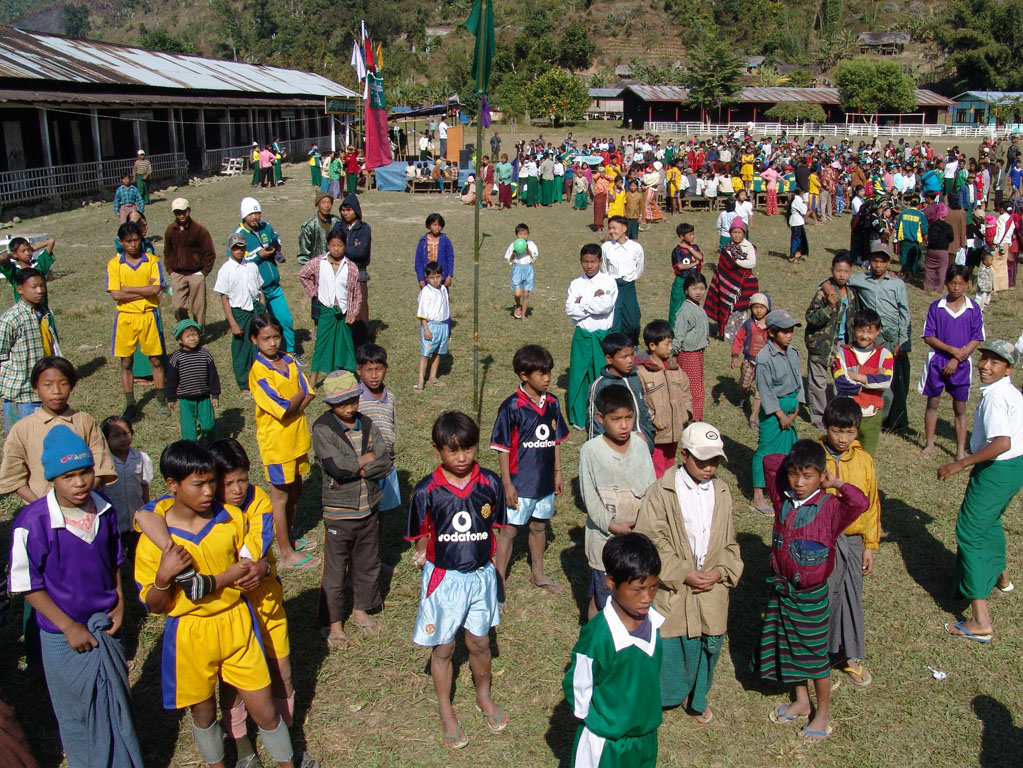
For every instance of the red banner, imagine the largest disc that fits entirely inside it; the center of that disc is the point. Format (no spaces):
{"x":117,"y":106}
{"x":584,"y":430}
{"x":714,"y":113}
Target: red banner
{"x":378,"y":147}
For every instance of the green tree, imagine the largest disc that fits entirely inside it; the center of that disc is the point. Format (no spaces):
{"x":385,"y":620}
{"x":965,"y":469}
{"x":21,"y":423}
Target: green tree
{"x":984,"y":43}
{"x":802,"y":78}
{"x":712,"y":75}
{"x":557,"y":95}
{"x":161,"y":41}
{"x":797,"y":112}
{"x":869,"y":86}
{"x":76,"y":20}
{"x":575,"y":49}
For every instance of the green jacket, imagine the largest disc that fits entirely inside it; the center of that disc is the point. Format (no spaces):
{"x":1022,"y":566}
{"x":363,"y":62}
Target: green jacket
{"x":823,"y":322}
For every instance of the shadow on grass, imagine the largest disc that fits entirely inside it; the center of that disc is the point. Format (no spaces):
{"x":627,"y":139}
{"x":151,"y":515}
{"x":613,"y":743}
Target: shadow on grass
{"x":745,"y":609}
{"x":214,"y":331}
{"x":230,"y":422}
{"x":560,"y":734}
{"x":728,"y":387}
{"x":85,"y":370}
{"x":1001,"y":742}
{"x":485,"y":364}
{"x":158,"y":727}
{"x":308,"y":652}
{"x":309,"y":514}
{"x":740,"y":462}
{"x":928,"y":561}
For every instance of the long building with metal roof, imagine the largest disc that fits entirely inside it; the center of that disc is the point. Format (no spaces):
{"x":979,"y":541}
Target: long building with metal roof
{"x":75,"y":104}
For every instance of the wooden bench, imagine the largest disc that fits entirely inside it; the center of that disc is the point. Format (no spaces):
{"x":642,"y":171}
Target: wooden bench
{"x":421,"y":185}
{"x":232,"y":166}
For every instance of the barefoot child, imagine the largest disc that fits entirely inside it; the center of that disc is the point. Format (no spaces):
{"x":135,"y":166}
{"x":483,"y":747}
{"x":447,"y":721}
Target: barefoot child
{"x":211,"y":632}
{"x":280,"y":394}
{"x":354,"y":459}
{"x":954,"y":328}
{"x":749,"y":340}
{"x":996,"y":455}
{"x":794,"y":638}
{"x":590,"y":306}
{"x":65,"y":558}
{"x":856,"y":547}
{"x":452,"y":517}
{"x":686,"y":260}
{"x":615,"y":469}
{"x":688,"y":516}
{"x":863,"y":370}
{"x":665,"y":391}
{"x":781,"y":391}
{"x":522,"y":253}
{"x":527,"y":436}
{"x":379,"y":403}
{"x":616,"y":664}
{"x":434,"y":315}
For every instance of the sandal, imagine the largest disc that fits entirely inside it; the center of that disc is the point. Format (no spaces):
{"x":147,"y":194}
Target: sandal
{"x":550,"y":585}
{"x":818,"y":736}
{"x":858,"y":674}
{"x":335,"y":642}
{"x":780,"y":718}
{"x":459,"y":737}
{"x":1007,"y":588}
{"x":416,"y":388}
{"x":495,"y":718}
{"x":307,"y":562}
{"x":304,"y":545}
{"x":765,"y":511}
{"x":705,"y":717}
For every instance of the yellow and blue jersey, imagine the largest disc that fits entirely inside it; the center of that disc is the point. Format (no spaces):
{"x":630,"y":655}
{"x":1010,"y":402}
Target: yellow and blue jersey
{"x":121,"y":274}
{"x":259,"y":520}
{"x":281,"y":439}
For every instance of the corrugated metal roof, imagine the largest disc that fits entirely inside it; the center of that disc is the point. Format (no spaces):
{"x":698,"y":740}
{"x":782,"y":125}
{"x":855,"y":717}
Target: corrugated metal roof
{"x":775,"y":95}
{"x":991,"y":97}
{"x":605,"y":93}
{"x":34,"y":56}
{"x":187,"y":101}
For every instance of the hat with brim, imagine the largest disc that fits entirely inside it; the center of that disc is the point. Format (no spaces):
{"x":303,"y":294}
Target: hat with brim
{"x":184,"y":325}
{"x":237,"y":240}
{"x":782,"y":319}
{"x":879,"y":247}
{"x":703,"y":441}
{"x":179,"y":204}
{"x":339,"y":387}
{"x":1006,"y":350}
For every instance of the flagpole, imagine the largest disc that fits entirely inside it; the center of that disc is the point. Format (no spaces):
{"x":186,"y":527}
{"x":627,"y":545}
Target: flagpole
{"x":476,"y":394}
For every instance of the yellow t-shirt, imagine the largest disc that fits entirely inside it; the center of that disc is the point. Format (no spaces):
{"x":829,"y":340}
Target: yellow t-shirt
{"x":673,"y":176}
{"x":616,"y":203}
{"x":815,"y":184}
{"x":259,"y":519}
{"x":280,"y":439}
{"x":214,"y":549}
{"x":121,"y":274}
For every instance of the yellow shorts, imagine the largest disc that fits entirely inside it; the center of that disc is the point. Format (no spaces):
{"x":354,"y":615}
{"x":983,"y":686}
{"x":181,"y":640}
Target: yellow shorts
{"x":288,"y":472}
{"x":268,"y":600}
{"x":199,"y":649}
{"x":137,"y":330}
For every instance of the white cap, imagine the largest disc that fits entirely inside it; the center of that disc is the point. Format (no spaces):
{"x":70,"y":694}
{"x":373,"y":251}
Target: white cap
{"x":250,"y":205}
{"x":179,"y":204}
{"x":140,"y":152}
{"x":703,"y":441}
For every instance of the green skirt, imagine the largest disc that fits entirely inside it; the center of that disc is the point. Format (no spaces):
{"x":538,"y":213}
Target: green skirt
{"x":687,"y":669}
{"x":581,"y":200}
{"x":334,"y":350}
{"x":532,"y":190}
{"x":772,"y":438}
{"x":585,"y":361}
{"x":678,"y":295}
{"x":316,"y":174}
{"x":794,"y":638}
{"x":627,"y":317}
{"x":980,"y":537}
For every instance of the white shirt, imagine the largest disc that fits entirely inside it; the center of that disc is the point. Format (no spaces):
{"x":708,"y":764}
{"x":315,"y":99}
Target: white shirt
{"x":424,"y":143}
{"x":696,"y":505}
{"x":798,"y":211}
{"x":745,"y":211}
{"x":622,"y":261}
{"x":331,"y":286}
{"x":559,"y":168}
{"x":710,"y":188}
{"x":592,"y":313}
{"x":442,"y":130}
{"x":950,"y":169}
{"x":531,"y":254}
{"x":857,"y":203}
{"x":724,"y":222}
{"x":126,"y":494}
{"x":999,"y":414}
{"x":433,"y":304}
{"x":240,"y":282}
{"x":1004,"y":229}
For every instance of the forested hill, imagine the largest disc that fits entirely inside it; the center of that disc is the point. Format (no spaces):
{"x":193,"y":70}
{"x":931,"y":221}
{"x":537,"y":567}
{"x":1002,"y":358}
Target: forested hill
{"x":427,"y":51}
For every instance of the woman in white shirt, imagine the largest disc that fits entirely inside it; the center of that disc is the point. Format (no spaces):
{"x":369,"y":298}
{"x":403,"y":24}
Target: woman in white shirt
{"x":799,"y":248}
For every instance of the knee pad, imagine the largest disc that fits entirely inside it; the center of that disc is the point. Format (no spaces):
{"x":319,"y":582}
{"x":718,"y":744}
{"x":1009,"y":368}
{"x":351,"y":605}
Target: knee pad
{"x":235,"y":721}
{"x":278,"y":742}
{"x":210,"y":742}
{"x":286,"y":708}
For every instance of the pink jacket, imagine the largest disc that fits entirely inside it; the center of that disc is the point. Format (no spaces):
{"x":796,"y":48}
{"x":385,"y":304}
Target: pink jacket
{"x":309,"y":276}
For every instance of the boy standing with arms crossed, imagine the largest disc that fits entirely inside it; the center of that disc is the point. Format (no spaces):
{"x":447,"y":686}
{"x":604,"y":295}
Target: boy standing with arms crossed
{"x":527,"y":435}
{"x":590,"y":306}
{"x":452,"y":517}
{"x":665,"y":391}
{"x":238,"y":285}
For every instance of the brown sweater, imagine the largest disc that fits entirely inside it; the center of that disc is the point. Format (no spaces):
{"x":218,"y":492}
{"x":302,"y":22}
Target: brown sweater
{"x":957,"y":220}
{"x":667,"y":395}
{"x":189,"y":249}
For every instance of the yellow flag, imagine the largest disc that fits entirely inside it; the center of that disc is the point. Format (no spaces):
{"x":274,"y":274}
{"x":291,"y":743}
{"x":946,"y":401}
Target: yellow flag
{"x":380,"y":57}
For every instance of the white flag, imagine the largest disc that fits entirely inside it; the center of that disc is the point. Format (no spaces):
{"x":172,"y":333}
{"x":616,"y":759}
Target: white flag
{"x":358,"y":62}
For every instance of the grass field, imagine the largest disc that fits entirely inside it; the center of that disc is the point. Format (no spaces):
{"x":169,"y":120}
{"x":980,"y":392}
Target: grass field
{"x":374,"y":704}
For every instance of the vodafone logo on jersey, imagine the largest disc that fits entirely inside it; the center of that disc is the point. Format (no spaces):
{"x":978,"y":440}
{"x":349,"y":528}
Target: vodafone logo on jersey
{"x":462,"y":523}
{"x":542,"y":436}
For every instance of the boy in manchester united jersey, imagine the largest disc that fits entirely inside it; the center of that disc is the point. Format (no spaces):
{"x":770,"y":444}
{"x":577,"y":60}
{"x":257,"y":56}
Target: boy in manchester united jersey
{"x":527,"y":435}
{"x":451,"y":519}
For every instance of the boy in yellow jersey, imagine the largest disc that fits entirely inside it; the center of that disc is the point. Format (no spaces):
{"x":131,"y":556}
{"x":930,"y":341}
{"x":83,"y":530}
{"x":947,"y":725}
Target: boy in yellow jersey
{"x":197,"y":580}
{"x":135,"y":281}
{"x":281,"y":394}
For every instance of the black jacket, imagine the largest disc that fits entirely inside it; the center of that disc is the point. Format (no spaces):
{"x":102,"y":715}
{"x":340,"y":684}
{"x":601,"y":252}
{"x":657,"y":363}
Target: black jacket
{"x":358,"y":237}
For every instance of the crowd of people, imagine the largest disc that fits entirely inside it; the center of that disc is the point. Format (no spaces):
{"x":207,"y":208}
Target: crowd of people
{"x":659,"y":535}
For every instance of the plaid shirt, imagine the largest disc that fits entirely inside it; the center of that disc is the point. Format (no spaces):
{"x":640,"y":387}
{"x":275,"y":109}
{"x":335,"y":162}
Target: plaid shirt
{"x":21,"y":347}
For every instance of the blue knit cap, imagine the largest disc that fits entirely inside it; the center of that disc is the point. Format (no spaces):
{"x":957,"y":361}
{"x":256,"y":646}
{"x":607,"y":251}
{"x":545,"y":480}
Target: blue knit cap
{"x":64,"y":451}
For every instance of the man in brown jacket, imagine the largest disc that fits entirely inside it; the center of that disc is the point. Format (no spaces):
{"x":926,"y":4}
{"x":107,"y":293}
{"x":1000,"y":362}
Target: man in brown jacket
{"x":687,"y":514}
{"x":188,"y":256}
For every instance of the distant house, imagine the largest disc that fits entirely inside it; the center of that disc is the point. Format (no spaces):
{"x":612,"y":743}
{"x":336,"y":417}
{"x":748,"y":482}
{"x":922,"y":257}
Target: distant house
{"x":982,"y":107}
{"x":438,"y":31}
{"x":623,"y":70}
{"x":753,"y":64}
{"x":605,"y":103}
{"x":883,"y":43}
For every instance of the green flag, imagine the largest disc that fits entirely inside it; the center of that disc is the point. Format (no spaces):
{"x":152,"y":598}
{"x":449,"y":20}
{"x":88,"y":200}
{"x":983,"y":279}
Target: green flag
{"x":481,"y":24}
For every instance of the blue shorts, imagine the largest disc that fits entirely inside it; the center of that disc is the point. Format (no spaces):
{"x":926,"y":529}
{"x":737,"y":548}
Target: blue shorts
{"x":14,"y":412}
{"x":599,"y":590}
{"x":522,"y":277}
{"x":540,"y":509}
{"x":439,"y":343}
{"x":458,"y":599}
{"x":814,"y":200}
{"x":392,"y":492}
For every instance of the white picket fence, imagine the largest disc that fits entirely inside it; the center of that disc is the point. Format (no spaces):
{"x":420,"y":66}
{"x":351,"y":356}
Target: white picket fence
{"x":830,"y":129}
{"x":60,"y":182}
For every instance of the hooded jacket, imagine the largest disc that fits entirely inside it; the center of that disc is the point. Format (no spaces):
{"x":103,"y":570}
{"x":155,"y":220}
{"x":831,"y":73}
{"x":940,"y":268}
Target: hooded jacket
{"x":667,"y":395}
{"x":608,"y":377}
{"x":358,"y":236}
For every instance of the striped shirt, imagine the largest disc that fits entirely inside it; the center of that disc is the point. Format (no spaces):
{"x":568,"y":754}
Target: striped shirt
{"x":354,"y":435}
{"x":192,"y":374}
{"x":381,"y":412}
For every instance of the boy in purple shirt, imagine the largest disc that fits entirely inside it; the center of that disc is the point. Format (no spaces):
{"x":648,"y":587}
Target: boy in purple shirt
{"x":953,"y":329}
{"x":65,"y":558}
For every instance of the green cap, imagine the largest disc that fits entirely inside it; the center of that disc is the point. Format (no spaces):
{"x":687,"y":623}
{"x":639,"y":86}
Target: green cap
{"x":1004,"y":349}
{"x":184,"y":324}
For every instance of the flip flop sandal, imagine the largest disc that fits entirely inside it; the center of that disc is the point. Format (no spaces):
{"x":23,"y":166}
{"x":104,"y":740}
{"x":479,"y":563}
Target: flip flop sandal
{"x":461,"y":740}
{"x":1007,"y":588}
{"x":417,"y":388}
{"x":966,"y":634}
{"x":551,"y":586}
{"x":765,"y":511}
{"x":780,"y":718}
{"x":496,"y":718}
{"x":307,"y":562}
{"x":805,"y":732}
{"x":304,"y":545}
{"x":340,"y":643}
{"x":858,"y":674}
{"x":373,"y":627}
{"x":704,"y":718}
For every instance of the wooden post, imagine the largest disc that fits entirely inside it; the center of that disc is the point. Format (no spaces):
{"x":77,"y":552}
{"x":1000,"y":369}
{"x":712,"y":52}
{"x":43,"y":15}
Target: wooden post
{"x":202,"y":138}
{"x":172,"y":127}
{"x":137,"y":131}
{"x":44,"y":135}
{"x":97,"y":148}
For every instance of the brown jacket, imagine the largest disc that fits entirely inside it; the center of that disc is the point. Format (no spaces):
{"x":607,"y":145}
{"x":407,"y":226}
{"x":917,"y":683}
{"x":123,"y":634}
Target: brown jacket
{"x":685,"y":612}
{"x":188,"y":250}
{"x":957,"y":220}
{"x":667,"y":395}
